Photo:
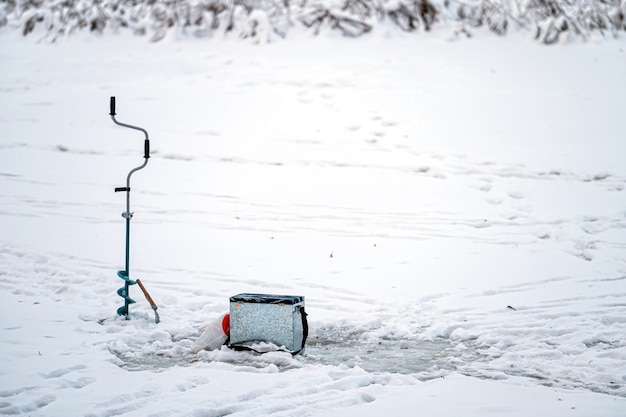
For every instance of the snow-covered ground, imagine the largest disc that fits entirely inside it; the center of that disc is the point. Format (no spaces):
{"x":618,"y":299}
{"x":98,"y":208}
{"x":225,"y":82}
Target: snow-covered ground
{"x":453,"y":211}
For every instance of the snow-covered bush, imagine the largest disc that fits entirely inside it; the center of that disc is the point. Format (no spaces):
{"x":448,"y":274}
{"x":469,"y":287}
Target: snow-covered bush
{"x":6,"y":7}
{"x":258,"y":27}
{"x":262,"y":20}
{"x":552,"y":18}
{"x":410,"y":15}
{"x":321,"y":16}
{"x":489,"y":13}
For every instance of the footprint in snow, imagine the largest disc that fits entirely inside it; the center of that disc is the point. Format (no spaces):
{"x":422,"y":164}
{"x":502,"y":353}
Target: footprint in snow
{"x":62,"y":371}
{"x":10,"y":409}
{"x":388,"y":123}
{"x":493,"y":200}
{"x":480,"y":224}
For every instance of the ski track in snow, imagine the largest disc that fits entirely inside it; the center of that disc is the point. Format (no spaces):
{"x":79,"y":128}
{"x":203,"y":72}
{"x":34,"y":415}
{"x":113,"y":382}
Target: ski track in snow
{"x":203,"y":233}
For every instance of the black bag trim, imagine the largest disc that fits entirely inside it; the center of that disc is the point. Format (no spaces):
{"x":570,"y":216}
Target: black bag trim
{"x":305,"y":327}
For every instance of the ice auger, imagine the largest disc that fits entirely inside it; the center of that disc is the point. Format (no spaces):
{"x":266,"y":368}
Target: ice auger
{"x":125,"y":274}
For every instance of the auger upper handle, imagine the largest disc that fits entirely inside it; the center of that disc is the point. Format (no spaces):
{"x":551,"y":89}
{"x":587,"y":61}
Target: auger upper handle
{"x":146,"y":145}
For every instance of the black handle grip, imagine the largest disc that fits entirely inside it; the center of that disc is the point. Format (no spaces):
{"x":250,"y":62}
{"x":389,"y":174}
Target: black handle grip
{"x":112,"y":106}
{"x":146,"y":149}
{"x":118,"y":189}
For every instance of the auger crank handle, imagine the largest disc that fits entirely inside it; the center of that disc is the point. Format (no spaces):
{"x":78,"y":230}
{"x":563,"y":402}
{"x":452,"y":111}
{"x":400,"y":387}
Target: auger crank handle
{"x":146,"y":144}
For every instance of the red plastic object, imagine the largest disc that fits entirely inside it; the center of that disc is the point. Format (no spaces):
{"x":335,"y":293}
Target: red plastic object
{"x":226,"y":324}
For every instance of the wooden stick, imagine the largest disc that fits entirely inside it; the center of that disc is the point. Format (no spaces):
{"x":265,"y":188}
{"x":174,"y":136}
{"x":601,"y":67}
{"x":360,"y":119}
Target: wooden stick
{"x":145,"y":292}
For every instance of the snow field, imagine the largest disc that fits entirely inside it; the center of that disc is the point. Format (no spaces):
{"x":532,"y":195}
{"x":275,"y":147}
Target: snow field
{"x":452,"y":212}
